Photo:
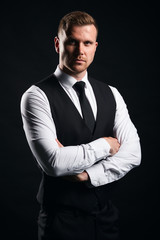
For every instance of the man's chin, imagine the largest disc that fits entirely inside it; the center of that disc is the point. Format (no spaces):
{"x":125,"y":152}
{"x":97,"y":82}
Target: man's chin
{"x":78,"y":68}
{"x":74,"y":69}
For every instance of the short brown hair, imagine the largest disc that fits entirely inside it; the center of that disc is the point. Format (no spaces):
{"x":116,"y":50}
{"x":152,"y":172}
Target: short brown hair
{"x":78,"y":18}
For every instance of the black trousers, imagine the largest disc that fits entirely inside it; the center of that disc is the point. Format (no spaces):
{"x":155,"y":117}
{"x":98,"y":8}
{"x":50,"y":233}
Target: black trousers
{"x":71,"y":224}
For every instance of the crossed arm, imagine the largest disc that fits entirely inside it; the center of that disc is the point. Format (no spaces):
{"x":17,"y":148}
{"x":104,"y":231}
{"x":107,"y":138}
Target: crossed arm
{"x":83,"y":177}
{"x":114,"y":157}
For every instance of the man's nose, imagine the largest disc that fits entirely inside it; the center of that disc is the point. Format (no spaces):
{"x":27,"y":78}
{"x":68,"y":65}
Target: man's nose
{"x":80,"y":49}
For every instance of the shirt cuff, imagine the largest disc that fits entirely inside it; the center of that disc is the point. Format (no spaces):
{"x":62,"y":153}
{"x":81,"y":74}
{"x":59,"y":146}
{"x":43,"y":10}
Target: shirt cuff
{"x":101,"y":148}
{"x":97,"y":175}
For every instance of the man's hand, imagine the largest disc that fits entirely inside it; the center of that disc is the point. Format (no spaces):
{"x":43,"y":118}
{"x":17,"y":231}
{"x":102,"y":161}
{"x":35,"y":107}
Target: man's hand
{"x":81,"y":177}
{"x":59,"y":144}
{"x":114,"y":144}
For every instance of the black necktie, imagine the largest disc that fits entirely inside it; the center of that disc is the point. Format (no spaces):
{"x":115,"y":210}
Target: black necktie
{"x":85,"y":105}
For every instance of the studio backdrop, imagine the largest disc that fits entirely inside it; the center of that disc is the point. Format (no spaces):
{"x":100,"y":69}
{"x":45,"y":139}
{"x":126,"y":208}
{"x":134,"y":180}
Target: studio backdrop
{"x":127,"y":58}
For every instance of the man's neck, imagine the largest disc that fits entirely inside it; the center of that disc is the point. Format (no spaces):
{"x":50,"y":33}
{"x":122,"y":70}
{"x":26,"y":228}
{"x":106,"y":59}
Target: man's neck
{"x":78,"y":76}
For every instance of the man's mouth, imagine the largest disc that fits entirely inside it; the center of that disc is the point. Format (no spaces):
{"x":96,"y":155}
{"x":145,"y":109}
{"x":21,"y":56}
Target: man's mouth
{"x":79,"y":60}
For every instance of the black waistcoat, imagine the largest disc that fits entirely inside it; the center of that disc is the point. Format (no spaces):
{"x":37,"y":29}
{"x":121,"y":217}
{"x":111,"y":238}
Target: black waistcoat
{"x":71,"y":130}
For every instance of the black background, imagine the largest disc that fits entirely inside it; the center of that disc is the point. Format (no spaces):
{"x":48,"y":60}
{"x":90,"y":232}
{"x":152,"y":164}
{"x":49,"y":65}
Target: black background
{"x":127,"y":58}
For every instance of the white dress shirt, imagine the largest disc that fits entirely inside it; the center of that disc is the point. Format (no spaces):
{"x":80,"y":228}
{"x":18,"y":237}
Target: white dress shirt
{"x":41,"y":135}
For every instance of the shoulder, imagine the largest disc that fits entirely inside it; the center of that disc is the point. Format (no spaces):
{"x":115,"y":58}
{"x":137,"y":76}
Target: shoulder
{"x":117,"y":95}
{"x":98,"y":84}
{"x":33,"y":96}
{"x":49,"y":81}
{"x":33,"y":91}
{"x":113,"y":90}
{"x":103,"y":86}
{"x":37,"y":90}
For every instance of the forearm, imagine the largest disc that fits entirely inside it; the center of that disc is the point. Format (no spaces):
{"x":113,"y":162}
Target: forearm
{"x":129,"y":154}
{"x":117,"y":166}
{"x":70,"y":160}
{"x":41,"y":135}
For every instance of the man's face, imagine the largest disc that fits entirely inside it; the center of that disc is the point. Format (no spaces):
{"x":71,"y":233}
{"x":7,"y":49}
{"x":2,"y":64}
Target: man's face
{"x":76,"y":49}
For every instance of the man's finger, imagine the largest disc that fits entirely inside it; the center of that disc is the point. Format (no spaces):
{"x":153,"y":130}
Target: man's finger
{"x":59,"y":144}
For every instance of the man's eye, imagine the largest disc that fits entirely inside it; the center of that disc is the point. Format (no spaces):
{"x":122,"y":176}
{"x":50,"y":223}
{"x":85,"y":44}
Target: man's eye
{"x":72,"y":42}
{"x":87,"y":43}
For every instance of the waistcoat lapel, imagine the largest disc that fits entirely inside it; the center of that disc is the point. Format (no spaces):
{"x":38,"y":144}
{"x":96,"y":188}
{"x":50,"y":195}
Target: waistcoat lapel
{"x":106,"y":107}
{"x":70,"y":126}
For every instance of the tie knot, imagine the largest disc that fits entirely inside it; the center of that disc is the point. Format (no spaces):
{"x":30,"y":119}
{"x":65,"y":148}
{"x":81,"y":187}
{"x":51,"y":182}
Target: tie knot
{"x":79,"y":86}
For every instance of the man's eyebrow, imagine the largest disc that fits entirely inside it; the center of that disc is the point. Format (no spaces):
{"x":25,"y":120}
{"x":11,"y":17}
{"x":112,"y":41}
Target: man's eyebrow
{"x":77,"y":40}
{"x":72,"y":38}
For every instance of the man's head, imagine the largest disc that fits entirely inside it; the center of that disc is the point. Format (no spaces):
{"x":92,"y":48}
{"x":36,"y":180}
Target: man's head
{"x":76,"y":43}
{"x":77,"y":18}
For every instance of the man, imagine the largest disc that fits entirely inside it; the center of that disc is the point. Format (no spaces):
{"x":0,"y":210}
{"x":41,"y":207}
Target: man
{"x":82,"y":138}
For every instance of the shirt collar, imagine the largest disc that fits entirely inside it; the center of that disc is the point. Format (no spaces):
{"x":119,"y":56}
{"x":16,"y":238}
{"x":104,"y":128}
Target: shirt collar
{"x":68,"y":81}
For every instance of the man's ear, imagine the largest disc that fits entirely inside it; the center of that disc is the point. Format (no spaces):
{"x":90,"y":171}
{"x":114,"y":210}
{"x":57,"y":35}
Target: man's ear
{"x":56,"y":44}
{"x":96,"y":45}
